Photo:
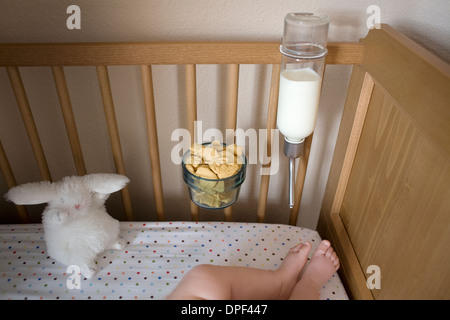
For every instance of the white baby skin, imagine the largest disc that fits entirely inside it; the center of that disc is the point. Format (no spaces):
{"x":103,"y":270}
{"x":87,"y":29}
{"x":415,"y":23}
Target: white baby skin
{"x":211,"y":282}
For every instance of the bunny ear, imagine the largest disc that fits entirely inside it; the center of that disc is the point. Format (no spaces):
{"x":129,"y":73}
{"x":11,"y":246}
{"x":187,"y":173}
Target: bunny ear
{"x":105,"y":183}
{"x":32,"y":193}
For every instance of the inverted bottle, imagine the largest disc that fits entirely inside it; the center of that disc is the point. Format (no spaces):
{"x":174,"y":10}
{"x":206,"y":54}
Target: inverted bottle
{"x":303,"y":59}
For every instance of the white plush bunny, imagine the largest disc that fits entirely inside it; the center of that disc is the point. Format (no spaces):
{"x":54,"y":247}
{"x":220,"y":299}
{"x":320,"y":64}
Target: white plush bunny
{"x":76,"y":225}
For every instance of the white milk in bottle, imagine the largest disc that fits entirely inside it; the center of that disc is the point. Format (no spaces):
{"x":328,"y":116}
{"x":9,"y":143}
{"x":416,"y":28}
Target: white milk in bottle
{"x":298,"y":101}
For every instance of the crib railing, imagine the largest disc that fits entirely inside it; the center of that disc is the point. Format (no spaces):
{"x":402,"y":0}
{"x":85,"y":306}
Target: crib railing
{"x":102,"y":55}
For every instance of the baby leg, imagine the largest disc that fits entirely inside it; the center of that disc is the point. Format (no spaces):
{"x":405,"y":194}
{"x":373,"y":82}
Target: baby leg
{"x":203,"y":282}
{"x":241,"y":283}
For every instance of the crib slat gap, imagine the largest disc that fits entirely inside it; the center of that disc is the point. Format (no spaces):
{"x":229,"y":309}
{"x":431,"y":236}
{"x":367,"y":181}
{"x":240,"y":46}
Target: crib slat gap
{"x":232,"y":98}
{"x":28,"y":120}
{"x":69,"y":120}
{"x":191,"y":98}
{"x":152,"y":138}
{"x":300,"y":181}
{"x":108,"y":105}
{"x":270,"y":125}
{"x":191,"y":104}
{"x":5,"y":167}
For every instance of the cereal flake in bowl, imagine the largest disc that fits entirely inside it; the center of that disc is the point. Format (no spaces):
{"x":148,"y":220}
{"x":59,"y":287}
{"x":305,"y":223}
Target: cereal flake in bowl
{"x":214,"y":173}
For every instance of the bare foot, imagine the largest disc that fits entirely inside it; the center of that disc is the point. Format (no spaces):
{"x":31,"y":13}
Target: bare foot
{"x":322,"y":266}
{"x":291,"y":267}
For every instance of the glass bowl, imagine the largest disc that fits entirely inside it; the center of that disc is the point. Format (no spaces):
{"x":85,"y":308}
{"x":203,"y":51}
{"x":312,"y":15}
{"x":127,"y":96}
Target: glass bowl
{"x":213,"y":194}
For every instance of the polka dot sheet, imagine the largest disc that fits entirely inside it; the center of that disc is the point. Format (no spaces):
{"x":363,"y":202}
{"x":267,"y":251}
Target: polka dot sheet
{"x":156,"y":258}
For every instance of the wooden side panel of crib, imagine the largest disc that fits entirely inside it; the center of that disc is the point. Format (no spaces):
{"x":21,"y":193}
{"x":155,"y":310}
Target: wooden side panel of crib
{"x":330,"y":224}
{"x":387,"y":201}
{"x":397,"y":203}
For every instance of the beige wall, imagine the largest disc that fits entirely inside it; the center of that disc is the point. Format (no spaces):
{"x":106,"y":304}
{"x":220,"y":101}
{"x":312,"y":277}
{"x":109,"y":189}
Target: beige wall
{"x":45,"y":21}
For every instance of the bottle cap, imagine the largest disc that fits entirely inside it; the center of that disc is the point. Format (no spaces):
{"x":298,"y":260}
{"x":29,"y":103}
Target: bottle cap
{"x":305,"y":35}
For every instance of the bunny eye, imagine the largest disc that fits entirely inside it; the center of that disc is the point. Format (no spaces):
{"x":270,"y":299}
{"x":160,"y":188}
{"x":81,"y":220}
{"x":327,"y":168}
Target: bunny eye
{"x":77,"y":206}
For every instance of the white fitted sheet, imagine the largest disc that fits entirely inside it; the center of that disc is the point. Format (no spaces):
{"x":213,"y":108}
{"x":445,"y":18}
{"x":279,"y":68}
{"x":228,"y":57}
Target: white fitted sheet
{"x":156,"y":258}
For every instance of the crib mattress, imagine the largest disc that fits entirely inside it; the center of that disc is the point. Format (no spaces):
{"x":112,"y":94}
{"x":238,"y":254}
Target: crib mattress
{"x":156,"y":258}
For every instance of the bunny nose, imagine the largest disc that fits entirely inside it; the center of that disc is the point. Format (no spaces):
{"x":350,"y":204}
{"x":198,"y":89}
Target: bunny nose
{"x":77,"y":206}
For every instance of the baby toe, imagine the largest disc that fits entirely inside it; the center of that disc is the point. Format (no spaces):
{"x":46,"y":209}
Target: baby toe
{"x":329,"y":252}
{"x":323,"y":247}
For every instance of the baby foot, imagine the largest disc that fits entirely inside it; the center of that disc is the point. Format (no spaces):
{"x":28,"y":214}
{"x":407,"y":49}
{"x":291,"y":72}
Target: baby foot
{"x":323,"y":265}
{"x":291,"y":267}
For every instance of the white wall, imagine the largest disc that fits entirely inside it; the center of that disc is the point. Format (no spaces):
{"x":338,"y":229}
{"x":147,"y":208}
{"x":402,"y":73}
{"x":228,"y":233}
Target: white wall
{"x":426,"y":22}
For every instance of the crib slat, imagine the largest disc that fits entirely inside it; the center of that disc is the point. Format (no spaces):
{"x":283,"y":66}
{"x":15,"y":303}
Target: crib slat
{"x":152,"y":136}
{"x":108,"y":105}
{"x":28,"y":120}
{"x":300,"y":180}
{"x":191,"y":104}
{"x":11,"y":182}
{"x":69,"y":120}
{"x":270,"y":124}
{"x":232,"y":102}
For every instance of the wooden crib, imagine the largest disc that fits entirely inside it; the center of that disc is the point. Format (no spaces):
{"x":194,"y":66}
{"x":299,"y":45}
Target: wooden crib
{"x":387,"y":200}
